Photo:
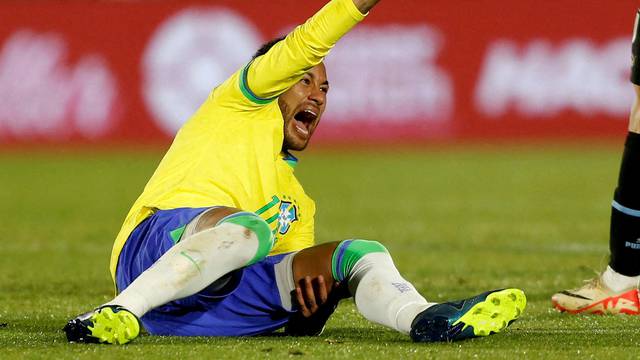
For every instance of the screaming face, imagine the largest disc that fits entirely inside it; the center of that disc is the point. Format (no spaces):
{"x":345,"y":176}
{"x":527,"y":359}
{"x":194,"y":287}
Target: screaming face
{"x":302,"y":106}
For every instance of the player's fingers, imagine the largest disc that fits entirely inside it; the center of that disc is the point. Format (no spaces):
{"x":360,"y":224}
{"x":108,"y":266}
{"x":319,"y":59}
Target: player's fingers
{"x":322,"y":290}
{"x":310,"y":296}
{"x":303,"y":306}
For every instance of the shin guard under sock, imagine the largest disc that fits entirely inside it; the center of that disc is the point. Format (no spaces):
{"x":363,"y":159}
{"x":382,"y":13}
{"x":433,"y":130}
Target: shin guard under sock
{"x":624,"y":242}
{"x":381,"y":294}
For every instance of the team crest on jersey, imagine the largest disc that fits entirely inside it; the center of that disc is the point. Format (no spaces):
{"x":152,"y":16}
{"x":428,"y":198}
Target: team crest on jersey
{"x":288,"y":214}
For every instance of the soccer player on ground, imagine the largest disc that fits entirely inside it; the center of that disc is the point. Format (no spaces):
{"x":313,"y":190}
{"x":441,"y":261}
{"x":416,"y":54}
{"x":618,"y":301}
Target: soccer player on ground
{"x":615,"y":291}
{"x":220,"y":241}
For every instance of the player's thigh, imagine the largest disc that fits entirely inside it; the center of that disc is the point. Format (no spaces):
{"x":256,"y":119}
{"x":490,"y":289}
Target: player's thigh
{"x":209,"y":218}
{"x":157,"y":234}
{"x":254,"y":302}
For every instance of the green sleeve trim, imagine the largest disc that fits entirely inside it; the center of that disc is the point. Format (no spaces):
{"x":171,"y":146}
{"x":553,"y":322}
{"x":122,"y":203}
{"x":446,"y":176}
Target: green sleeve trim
{"x":246,"y":91}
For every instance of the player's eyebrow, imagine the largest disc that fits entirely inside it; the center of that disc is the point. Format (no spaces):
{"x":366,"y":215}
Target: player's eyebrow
{"x":313,"y":76}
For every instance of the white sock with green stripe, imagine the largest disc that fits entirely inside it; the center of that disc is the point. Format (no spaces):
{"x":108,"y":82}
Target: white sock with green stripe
{"x":187,"y":267}
{"x":381,"y":294}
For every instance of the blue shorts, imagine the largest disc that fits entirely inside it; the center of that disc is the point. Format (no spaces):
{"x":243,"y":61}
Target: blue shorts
{"x":249,"y":305}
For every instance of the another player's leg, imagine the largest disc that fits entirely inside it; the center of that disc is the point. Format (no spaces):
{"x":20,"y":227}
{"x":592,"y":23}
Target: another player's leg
{"x":616,"y":290}
{"x":383,"y":296}
{"x":235,"y":240}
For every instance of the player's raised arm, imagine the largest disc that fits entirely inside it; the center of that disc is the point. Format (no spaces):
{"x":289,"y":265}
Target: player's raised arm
{"x":365,"y":5}
{"x":270,"y":75}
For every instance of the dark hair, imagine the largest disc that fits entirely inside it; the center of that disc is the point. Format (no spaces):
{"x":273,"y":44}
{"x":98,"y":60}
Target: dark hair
{"x":267,"y":46}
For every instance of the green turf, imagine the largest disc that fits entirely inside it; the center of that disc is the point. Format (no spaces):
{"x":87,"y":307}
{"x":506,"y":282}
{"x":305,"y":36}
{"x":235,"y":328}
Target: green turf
{"x":457,"y":221}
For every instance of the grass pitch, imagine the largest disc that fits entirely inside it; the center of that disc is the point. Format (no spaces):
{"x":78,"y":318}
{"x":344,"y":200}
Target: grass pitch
{"x":456,"y":221}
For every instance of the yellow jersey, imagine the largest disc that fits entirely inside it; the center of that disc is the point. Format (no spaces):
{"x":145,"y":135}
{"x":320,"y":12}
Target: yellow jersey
{"x":229,"y":153}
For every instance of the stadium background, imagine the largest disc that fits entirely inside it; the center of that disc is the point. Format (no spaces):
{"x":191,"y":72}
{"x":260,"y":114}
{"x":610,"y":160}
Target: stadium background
{"x":132,"y":72}
{"x":514,"y":113}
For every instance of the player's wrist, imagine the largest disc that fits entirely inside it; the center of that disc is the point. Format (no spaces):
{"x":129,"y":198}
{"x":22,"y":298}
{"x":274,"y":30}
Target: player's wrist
{"x":364,"y":6}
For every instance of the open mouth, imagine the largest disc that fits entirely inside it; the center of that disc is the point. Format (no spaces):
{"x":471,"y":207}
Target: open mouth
{"x":303,"y":120}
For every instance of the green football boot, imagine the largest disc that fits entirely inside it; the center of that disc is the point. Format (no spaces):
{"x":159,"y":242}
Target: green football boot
{"x":110,"y":324}
{"x":481,"y":315}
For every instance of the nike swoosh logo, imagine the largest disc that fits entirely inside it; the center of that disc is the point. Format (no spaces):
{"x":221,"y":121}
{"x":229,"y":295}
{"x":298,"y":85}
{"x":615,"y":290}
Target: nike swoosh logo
{"x":575,"y":295}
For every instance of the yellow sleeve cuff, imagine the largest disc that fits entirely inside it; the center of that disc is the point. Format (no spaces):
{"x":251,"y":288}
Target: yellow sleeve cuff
{"x":353,"y":10}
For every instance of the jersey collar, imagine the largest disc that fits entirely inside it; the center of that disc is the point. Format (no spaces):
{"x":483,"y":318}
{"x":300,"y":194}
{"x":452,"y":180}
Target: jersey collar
{"x":289,"y":159}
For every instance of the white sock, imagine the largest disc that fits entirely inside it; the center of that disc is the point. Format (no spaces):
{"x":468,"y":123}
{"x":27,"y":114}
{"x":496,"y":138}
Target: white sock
{"x":618,"y":282}
{"x":382,"y":295}
{"x":188,"y":267}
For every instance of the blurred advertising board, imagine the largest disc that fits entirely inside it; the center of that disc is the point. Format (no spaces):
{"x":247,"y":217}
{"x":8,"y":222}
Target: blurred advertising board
{"x":416,"y":71}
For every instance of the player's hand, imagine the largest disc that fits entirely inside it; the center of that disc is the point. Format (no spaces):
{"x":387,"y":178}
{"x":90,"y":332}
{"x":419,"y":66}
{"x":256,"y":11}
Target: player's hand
{"x":311,"y":294}
{"x":316,"y":304}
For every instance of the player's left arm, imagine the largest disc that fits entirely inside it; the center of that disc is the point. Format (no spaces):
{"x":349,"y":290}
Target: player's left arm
{"x":312,"y":298}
